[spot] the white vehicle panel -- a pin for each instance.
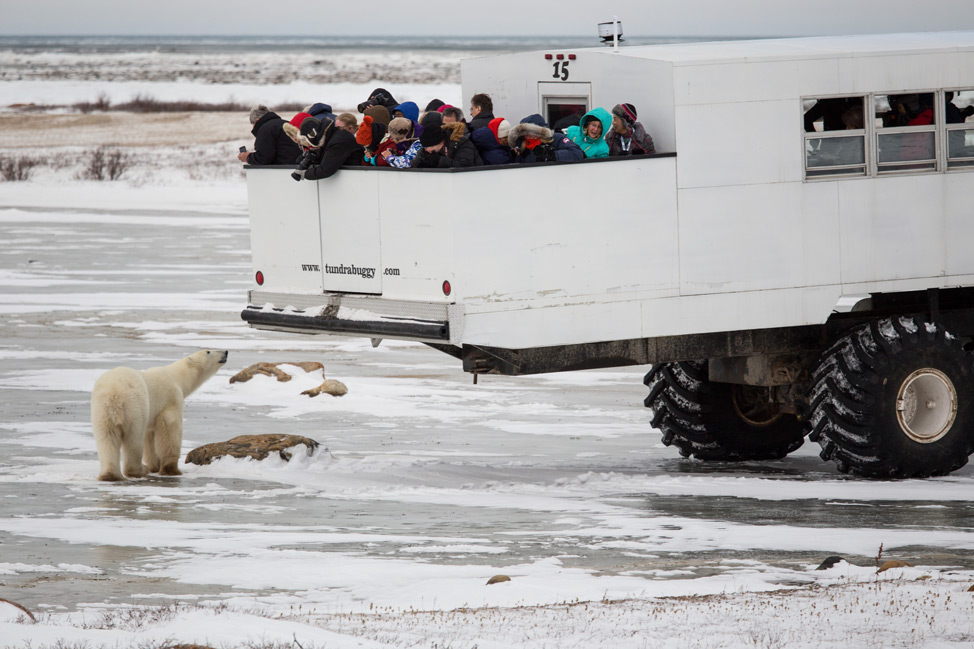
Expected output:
(893, 228)
(731, 83)
(757, 237)
(417, 233)
(285, 230)
(556, 325)
(912, 71)
(723, 144)
(959, 223)
(738, 311)
(597, 229)
(350, 249)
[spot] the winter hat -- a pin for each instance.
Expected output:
(257, 112)
(433, 105)
(432, 135)
(364, 134)
(409, 110)
(293, 128)
(535, 119)
(431, 118)
(297, 119)
(625, 112)
(313, 131)
(320, 110)
(379, 114)
(443, 108)
(399, 129)
(500, 127)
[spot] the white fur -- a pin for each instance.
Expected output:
(137, 417)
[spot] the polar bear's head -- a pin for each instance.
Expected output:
(204, 364)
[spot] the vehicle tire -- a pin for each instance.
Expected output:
(717, 421)
(884, 401)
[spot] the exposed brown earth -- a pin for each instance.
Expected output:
(29, 131)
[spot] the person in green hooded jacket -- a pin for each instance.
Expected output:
(589, 135)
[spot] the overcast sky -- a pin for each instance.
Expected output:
(482, 17)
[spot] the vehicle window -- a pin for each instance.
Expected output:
(959, 118)
(559, 108)
(905, 132)
(835, 136)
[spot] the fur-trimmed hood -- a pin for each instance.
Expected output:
(455, 131)
(294, 133)
(520, 132)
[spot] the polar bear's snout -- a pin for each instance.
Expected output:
(223, 357)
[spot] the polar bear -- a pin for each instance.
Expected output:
(139, 415)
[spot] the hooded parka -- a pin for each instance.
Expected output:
(592, 147)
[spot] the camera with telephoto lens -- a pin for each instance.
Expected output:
(378, 99)
(544, 152)
(311, 157)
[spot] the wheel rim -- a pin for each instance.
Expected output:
(926, 405)
(753, 407)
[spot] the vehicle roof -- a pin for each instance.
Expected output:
(802, 48)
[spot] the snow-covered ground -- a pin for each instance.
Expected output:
(425, 486)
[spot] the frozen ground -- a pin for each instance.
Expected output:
(429, 485)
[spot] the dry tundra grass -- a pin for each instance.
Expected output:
(37, 132)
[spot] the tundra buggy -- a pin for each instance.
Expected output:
(797, 259)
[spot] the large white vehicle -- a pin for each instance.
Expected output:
(797, 259)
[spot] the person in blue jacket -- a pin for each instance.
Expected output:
(589, 135)
(320, 111)
(492, 143)
(410, 111)
(533, 141)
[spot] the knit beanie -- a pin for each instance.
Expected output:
(379, 114)
(443, 108)
(399, 129)
(625, 112)
(431, 118)
(297, 119)
(432, 136)
(364, 134)
(500, 127)
(257, 112)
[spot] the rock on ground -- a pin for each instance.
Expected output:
(255, 446)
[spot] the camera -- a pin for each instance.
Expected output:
(310, 157)
(544, 152)
(378, 99)
(242, 149)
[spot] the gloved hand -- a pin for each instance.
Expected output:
(426, 160)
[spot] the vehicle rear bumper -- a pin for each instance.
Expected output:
(352, 315)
